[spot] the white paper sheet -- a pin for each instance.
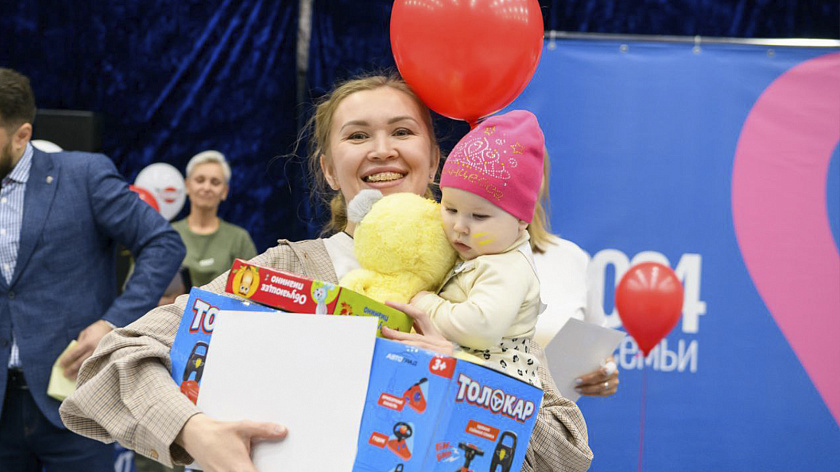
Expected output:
(579, 348)
(307, 372)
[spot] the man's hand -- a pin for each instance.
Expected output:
(225, 445)
(88, 340)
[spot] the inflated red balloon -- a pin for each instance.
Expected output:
(649, 300)
(146, 196)
(467, 59)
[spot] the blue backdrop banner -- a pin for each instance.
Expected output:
(720, 160)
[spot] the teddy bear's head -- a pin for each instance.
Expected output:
(403, 233)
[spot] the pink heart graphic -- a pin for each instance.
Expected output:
(781, 218)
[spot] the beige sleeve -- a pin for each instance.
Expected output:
(125, 391)
(560, 440)
(492, 303)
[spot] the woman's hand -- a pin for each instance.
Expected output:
(427, 335)
(225, 445)
(600, 383)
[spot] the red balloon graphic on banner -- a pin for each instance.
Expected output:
(649, 300)
(146, 196)
(468, 59)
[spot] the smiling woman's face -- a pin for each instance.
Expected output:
(379, 140)
(207, 186)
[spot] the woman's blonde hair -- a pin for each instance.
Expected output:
(540, 227)
(320, 125)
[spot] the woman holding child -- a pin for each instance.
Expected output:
(369, 133)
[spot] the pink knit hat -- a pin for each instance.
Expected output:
(500, 160)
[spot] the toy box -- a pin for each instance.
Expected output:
(192, 341)
(426, 412)
(296, 294)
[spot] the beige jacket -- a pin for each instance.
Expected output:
(125, 391)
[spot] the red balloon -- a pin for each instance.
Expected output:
(467, 59)
(649, 300)
(146, 196)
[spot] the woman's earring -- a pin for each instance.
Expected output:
(333, 185)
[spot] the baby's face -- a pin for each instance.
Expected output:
(474, 226)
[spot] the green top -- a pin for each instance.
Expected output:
(210, 255)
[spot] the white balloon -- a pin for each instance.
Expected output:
(46, 146)
(166, 184)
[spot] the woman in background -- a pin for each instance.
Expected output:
(212, 243)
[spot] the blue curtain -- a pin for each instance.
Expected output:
(174, 78)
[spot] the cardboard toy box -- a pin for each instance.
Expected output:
(297, 294)
(423, 411)
(426, 412)
(192, 341)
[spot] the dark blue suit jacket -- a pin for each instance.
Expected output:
(76, 209)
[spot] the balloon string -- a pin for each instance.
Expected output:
(642, 419)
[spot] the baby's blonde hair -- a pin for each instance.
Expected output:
(540, 227)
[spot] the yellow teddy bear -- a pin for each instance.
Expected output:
(400, 246)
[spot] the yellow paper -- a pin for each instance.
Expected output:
(60, 386)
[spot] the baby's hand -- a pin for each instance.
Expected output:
(418, 296)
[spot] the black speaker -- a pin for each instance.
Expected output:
(73, 130)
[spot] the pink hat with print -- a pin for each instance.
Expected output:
(500, 160)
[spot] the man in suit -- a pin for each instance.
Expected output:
(61, 217)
